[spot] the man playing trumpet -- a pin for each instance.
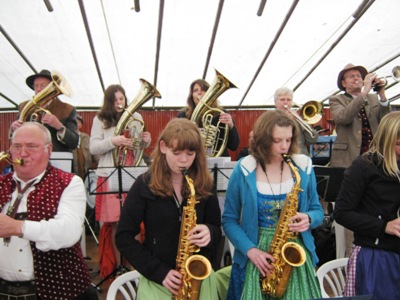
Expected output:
(356, 114)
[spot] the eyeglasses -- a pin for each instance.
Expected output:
(353, 76)
(30, 148)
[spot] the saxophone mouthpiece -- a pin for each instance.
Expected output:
(184, 171)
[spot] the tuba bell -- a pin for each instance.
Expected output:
(31, 110)
(215, 142)
(132, 127)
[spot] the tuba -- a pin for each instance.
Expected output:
(7, 158)
(215, 142)
(30, 112)
(132, 127)
(287, 253)
(194, 268)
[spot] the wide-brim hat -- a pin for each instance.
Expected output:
(43, 73)
(347, 68)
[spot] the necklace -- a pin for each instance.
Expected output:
(178, 206)
(277, 202)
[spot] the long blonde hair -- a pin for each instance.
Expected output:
(384, 142)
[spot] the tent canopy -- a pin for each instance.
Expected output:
(299, 44)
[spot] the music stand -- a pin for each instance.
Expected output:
(329, 181)
(120, 182)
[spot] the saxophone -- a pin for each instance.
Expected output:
(194, 268)
(287, 253)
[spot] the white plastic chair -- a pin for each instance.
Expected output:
(334, 273)
(126, 284)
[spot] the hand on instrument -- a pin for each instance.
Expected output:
(173, 281)
(52, 121)
(15, 125)
(368, 83)
(146, 137)
(262, 260)
(225, 118)
(299, 223)
(200, 235)
(120, 140)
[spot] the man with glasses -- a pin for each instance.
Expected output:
(356, 114)
(42, 212)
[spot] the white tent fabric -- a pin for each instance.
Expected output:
(94, 43)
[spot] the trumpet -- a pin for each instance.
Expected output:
(6, 157)
(382, 81)
(309, 113)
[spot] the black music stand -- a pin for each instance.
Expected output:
(329, 181)
(121, 189)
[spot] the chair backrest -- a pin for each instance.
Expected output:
(126, 284)
(334, 274)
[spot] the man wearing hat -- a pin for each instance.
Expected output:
(356, 114)
(62, 120)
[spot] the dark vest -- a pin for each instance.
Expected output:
(59, 274)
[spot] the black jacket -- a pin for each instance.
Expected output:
(157, 255)
(367, 201)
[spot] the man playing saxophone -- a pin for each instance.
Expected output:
(257, 212)
(160, 198)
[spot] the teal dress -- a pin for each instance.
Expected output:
(303, 283)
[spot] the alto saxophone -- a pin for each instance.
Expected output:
(194, 268)
(287, 253)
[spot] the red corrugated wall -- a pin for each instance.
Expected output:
(155, 122)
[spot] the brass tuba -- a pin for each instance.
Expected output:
(128, 125)
(287, 253)
(194, 268)
(214, 142)
(39, 101)
(7, 158)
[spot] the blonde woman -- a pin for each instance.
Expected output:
(369, 205)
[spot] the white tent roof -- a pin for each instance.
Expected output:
(94, 43)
